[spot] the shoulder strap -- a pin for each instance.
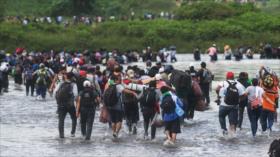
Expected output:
(229, 83)
(268, 99)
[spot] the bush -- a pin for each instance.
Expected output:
(212, 10)
(248, 28)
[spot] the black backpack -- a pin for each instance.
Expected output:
(148, 99)
(207, 76)
(64, 94)
(110, 96)
(274, 149)
(128, 98)
(232, 95)
(88, 98)
(181, 80)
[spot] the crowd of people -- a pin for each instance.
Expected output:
(266, 51)
(86, 20)
(163, 95)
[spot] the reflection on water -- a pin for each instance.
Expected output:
(29, 127)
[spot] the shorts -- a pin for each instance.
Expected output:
(173, 126)
(116, 116)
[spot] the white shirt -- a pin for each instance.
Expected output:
(225, 85)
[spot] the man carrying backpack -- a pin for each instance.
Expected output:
(29, 79)
(41, 81)
(113, 102)
(230, 92)
(149, 103)
(65, 97)
(205, 78)
(86, 104)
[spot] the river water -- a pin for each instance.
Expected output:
(29, 127)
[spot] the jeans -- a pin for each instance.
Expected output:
(29, 85)
(41, 90)
(241, 109)
(232, 114)
(148, 117)
(254, 115)
(131, 113)
(205, 91)
(191, 108)
(62, 111)
(267, 119)
(87, 119)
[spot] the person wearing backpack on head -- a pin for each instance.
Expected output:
(205, 79)
(254, 109)
(113, 102)
(149, 103)
(230, 92)
(65, 98)
(87, 101)
(269, 104)
(29, 81)
(270, 81)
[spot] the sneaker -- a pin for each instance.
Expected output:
(225, 132)
(165, 143)
(115, 135)
(168, 143)
(134, 132)
(72, 135)
(146, 136)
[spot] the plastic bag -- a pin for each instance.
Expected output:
(157, 121)
(104, 115)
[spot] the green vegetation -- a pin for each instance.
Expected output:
(197, 25)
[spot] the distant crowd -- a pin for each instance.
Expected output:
(87, 20)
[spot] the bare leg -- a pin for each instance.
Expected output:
(167, 133)
(118, 127)
(173, 137)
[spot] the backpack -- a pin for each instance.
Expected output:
(181, 80)
(128, 98)
(148, 99)
(110, 96)
(207, 76)
(232, 95)
(42, 77)
(64, 93)
(28, 74)
(274, 149)
(88, 98)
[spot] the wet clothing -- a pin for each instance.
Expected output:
(87, 110)
(267, 119)
(243, 103)
(29, 81)
(116, 111)
(170, 117)
(205, 86)
(231, 112)
(62, 111)
(87, 119)
(67, 107)
(254, 115)
(228, 110)
(173, 126)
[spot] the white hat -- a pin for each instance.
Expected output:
(86, 83)
(161, 70)
(158, 77)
